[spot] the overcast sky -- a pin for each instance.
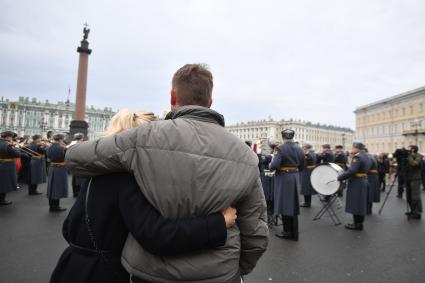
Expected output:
(311, 60)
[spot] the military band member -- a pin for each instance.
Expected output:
(8, 173)
(356, 201)
(37, 165)
(310, 161)
(78, 182)
(374, 194)
(57, 185)
(327, 156)
(341, 160)
(288, 161)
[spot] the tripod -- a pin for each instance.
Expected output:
(388, 193)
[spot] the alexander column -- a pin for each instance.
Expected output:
(78, 124)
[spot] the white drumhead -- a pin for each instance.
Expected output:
(324, 178)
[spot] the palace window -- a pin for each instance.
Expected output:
(411, 109)
(420, 107)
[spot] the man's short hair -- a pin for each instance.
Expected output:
(36, 137)
(193, 84)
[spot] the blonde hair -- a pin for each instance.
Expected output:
(126, 119)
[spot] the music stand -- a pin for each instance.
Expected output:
(327, 207)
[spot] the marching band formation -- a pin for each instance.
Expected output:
(285, 173)
(287, 170)
(34, 161)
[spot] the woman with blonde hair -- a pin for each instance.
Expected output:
(127, 119)
(111, 207)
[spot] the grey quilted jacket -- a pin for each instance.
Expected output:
(188, 165)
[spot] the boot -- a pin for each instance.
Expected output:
(288, 232)
(358, 223)
(54, 206)
(415, 216)
(354, 226)
(3, 200)
(307, 201)
(285, 228)
(32, 190)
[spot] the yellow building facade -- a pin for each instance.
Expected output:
(391, 123)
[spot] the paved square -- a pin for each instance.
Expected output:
(390, 249)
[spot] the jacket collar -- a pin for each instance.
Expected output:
(198, 113)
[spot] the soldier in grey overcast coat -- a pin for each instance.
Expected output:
(288, 161)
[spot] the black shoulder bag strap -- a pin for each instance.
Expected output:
(92, 236)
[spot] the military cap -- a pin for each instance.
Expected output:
(78, 136)
(58, 137)
(359, 145)
(288, 134)
(326, 145)
(6, 134)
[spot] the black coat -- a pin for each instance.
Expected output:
(116, 207)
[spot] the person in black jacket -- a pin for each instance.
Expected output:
(115, 207)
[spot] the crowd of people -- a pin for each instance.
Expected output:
(182, 199)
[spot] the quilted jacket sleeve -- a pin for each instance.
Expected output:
(252, 222)
(106, 155)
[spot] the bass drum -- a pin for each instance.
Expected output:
(324, 178)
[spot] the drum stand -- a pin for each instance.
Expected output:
(328, 208)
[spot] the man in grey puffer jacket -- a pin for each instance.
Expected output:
(187, 165)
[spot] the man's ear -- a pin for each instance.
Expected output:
(210, 102)
(173, 95)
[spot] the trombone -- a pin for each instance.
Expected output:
(28, 151)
